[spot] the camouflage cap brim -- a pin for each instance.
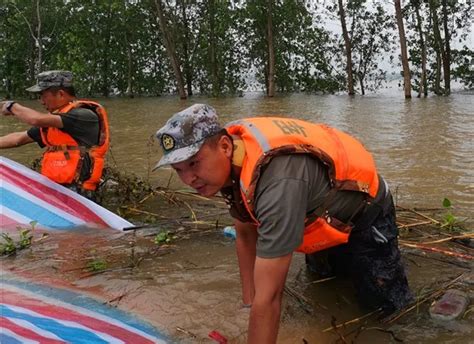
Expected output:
(35, 89)
(179, 155)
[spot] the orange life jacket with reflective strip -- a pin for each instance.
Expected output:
(62, 160)
(351, 167)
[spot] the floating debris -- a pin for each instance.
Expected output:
(450, 306)
(229, 232)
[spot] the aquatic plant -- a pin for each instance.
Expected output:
(9, 246)
(25, 239)
(97, 264)
(164, 237)
(451, 222)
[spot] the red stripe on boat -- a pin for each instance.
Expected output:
(7, 221)
(27, 333)
(60, 313)
(74, 207)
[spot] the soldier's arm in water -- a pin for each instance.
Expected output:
(15, 140)
(246, 249)
(32, 117)
(269, 276)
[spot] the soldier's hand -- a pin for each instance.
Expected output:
(6, 107)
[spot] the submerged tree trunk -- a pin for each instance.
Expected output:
(348, 48)
(423, 80)
(437, 82)
(447, 55)
(212, 49)
(129, 90)
(171, 50)
(186, 64)
(440, 53)
(39, 39)
(271, 51)
(403, 48)
(361, 83)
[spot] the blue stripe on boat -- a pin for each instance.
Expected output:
(32, 210)
(66, 333)
(6, 339)
(83, 301)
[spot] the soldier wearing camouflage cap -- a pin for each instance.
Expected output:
(292, 186)
(184, 133)
(68, 131)
(52, 78)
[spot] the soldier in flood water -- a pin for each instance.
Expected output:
(292, 186)
(74, 133)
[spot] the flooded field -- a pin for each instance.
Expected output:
(423, 147)
(186, 282)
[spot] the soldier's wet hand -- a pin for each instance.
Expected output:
(6, 107)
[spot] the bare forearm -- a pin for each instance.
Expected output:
(269, 276)
(246, 248)
(14, 140)
(27, 115)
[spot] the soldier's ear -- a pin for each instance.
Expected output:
(225, 143)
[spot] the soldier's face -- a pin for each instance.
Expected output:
(52, 100)
(209, 169)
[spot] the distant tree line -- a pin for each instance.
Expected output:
(224, 47)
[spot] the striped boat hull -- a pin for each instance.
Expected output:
(32, 313)
(28, 196)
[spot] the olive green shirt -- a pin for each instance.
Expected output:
(290, 188)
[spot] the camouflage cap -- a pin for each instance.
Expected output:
(51, 78)
(184, 133)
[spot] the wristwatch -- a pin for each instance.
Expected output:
(9, 105)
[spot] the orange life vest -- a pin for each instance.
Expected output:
(351, 167)
(62, 160)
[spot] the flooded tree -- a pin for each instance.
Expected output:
(423, 85)
(348, 48)
(441, 56)
(371, 41)
(152, 47)
(170, 48)
(29, 31)
(403, 50)
(447, 49)
(271, 51)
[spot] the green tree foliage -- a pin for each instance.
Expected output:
(28, 37)
(458, 25)
(212, 48)
(464, 66)
(116, 47)
(302, 46)
(371, 33)
(372, 39)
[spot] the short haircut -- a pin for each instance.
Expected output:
(214, 139)
(69, 90)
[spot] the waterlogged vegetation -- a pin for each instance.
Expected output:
(165, 237)
(154, 47)
(97, 264)
(451, 222)
(135, 256)
(11, 245)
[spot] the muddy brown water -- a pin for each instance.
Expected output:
(423, 147)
